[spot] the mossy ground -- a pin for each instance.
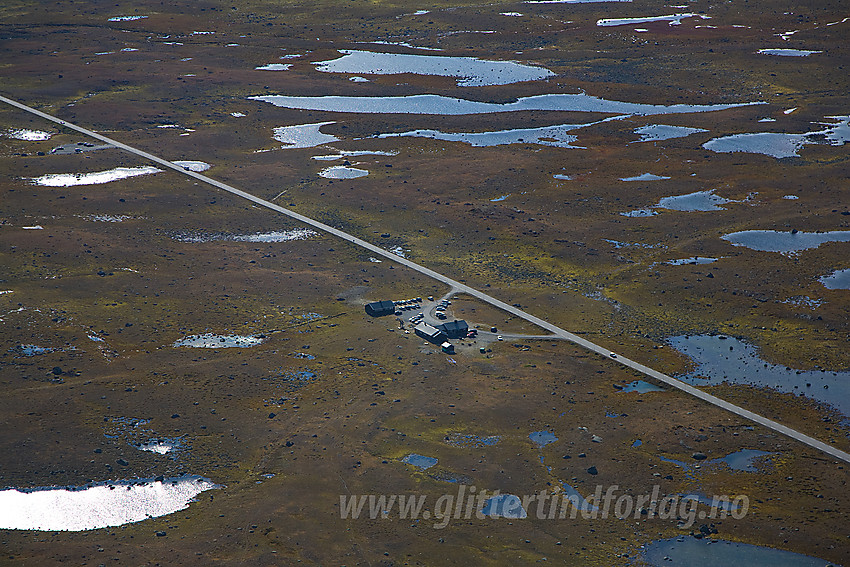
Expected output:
(380, 394)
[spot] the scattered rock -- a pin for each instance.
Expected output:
(592, 471)
(699, 456)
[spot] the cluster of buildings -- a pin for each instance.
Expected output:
(439, 334)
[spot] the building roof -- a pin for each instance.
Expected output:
(454, 328)
(379, 308)
(426, 329)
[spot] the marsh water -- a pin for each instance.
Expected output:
(98, 505)
(689, 551)
(720, 358)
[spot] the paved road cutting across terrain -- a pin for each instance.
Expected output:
(459, 287)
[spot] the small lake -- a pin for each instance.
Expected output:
(303, 135)
(211, 340)
(658, 132)
(469, 71)
(274, 67)
(784, 242)
(674, 19)
(696, 260)
(641, 387)
(94, 178)
(781, 145)
(644, 177)
(744, 460)
(542, 438)
(727, 359)
(839, 279)
(442, 105)
(126, 18)
(554, 136)
(699, 201)
(273, 236)
(99, 505)
(768, 143)
(504, 506)
(689, 551)
(420, 461)
(160, 446)
(342, 172)
(639, 213)
(196, 166)
(26, 135)
(788, 52)
(356, 153)
(577, 499)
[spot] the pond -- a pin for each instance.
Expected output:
(674, 19)
(542, 438)
(273, 236)
(27, 135)
(781, 145)
(504, 506)
(726, 359)
(342, 172)
(94, 178)
(469, 71)
(554, 136)
(839, 279)
(787, 52)
(689, 551)
(101, 505)
(442, 105)
(641, 387)
(699, 201)
(658, 132)
(644, 177)
(211, 340)
(303, 135)
(420, 461)
(784, 242)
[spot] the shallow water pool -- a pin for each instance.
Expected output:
(211, 340)
(784, 242)
(726, 359)
(689, 551)
(469, 71)
(442, 105)
(96, 506)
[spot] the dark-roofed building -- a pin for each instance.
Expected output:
(455, 329)
(430, 333)
(380, 308)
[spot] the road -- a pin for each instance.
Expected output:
(458, 287)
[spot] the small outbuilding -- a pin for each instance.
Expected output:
(380, 308)
(455, 329)
(429, 333)
(447, 347)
